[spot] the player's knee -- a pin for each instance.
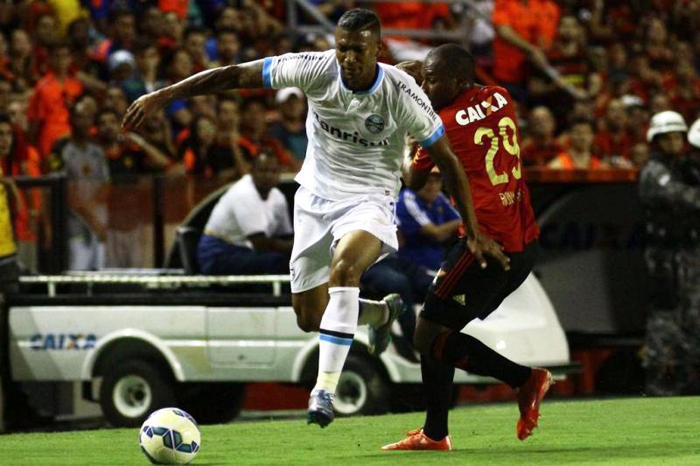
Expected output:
(308, 319)
(345, 273)
(308, 322)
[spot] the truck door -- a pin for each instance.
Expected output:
(241, 336)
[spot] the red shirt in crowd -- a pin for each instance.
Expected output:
(48, 106)
(534, 20)
(480, 125)
(609, 144)
(536, 153)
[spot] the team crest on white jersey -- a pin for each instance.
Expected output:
(481, 110)
(374, 123)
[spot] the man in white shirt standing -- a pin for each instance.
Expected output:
(360, 112)
(236, 242)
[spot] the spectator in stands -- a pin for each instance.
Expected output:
(227, 46)
(85, 165)
(122, 65)
(9, 270)
(115, 98)
(291, 129)
(659, 103)
(194, 43)
(23, 159)
(576, 78)
(145, 79)
(228, 137)
(122, 35)
(44, 38)
(156, 131)
(524, 30)
(84, 67)
(614, 141)
(409, 15)
(235, 242)
(541, 145)
(255, 137)
(481, 32)
(48, 109)
(685, 89)
(202, 155)
(427, 222)
(173, 29)
(21, 60)
(656, 46)
(579, 156)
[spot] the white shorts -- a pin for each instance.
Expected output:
(320, 223)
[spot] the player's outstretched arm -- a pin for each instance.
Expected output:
(245, 75)
(458, 186)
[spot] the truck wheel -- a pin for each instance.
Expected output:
(362, 389)
(212, 403)
(133, 390)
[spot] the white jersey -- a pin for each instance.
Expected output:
(356, 139)
(231, 220)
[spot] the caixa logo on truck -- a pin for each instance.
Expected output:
(62, 341)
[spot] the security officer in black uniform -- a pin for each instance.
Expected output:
(669, 188)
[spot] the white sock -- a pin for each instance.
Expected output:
(335, 336)
(374, 313)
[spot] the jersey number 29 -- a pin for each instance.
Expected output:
(511, 147)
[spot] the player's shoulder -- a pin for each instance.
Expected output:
(399, 80)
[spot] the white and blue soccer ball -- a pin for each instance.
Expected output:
(170, 436)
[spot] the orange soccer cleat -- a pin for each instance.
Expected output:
(529, 398)
(417, 440)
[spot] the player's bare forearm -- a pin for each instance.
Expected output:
(456, 182)
(246, 75)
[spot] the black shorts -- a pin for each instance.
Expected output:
(463, 291)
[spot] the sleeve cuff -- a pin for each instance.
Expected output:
(266, 75)
(437, 134)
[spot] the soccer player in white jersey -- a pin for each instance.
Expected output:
(360, 112)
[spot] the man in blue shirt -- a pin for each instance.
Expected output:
(427, 223)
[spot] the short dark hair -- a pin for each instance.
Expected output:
(456, 60)
(359, 19)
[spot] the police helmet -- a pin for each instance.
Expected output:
(666, 122)
(694, 134)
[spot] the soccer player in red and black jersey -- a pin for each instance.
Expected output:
(480, 125)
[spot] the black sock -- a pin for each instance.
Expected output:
(437, 386)
(468, 353)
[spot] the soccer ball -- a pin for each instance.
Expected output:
(170, 436)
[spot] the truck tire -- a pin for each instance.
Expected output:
(362, 388)
(133, 390)
(212, 403)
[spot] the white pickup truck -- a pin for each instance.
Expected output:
(139, 341)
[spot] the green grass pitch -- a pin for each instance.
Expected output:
(640, 431)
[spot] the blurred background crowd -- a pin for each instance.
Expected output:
(587, 76)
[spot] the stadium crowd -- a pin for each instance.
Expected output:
(587, 74)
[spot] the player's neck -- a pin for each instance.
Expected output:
(366, 84)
